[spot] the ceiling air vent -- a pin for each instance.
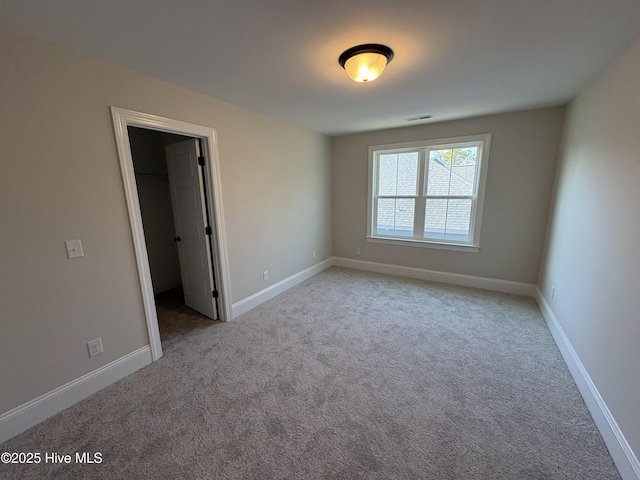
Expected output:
(419, 117)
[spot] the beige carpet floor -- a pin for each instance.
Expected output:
(348, 375)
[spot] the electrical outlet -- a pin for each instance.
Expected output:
(357, 251)
(553, 292)
(265, 276)
(314, 254)
(95, 347)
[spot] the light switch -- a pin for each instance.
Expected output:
(74, 248)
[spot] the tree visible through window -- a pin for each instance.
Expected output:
(428, 192)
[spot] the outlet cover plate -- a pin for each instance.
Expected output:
(95, 347)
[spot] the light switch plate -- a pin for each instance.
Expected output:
(74, 248)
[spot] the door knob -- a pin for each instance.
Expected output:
(176, 239)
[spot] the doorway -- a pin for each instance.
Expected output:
(173, 208)
(210, 175)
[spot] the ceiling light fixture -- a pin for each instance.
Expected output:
(365, 63)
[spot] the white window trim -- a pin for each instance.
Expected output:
(476, 214)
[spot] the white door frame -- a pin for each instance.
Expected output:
(127, 118)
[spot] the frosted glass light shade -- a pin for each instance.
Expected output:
(365, 67)
(365, 63)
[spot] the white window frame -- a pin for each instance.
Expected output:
(422, 147)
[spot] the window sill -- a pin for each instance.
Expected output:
(425, 244)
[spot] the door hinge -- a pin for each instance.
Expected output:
(208, 231)
(200, 160)
(215, 293)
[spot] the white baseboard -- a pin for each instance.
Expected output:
(25, 416)
(504, 286)
(282, 286)
(484, 283)
(620, 450)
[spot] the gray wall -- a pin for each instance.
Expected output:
(60, 180)
(592, 257)
(524, 147)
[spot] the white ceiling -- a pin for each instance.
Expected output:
(453, 58)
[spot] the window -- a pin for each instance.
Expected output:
(428, 193)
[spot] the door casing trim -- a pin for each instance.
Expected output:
(123, 118)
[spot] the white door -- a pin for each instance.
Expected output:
(190, 217)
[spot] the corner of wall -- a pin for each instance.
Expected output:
(623, 456)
